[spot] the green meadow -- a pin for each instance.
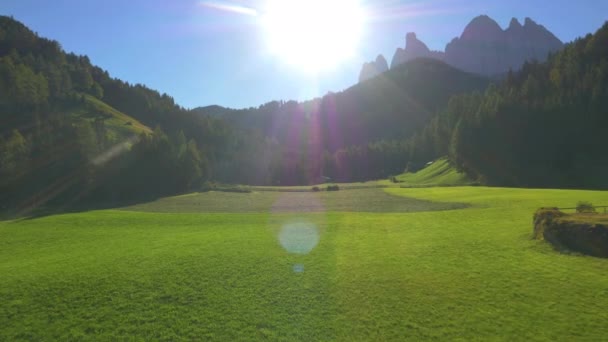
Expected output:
(455, 263)
(439, 172)
(119, 124)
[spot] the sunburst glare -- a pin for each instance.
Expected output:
(314, 35)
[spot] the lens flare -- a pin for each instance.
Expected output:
(227, 7)
(315, 34)
(299, 237)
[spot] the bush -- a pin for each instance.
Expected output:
(333, 188)
(393, 179)
(316, 189)
(585, 207)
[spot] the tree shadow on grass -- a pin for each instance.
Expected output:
(354, 200)
(49, 209)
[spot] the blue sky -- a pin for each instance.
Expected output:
(203, 56)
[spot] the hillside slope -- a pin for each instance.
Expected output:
(119, 126)
(544, 126)
(440, 172)
(393, 105)
(67, 129)
(354, 135)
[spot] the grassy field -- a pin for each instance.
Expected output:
(119, 125)
(453, 263)
(357, 200)
(437, 174)
(595, 218)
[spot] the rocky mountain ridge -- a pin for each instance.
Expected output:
(373, 69)
(483, 48)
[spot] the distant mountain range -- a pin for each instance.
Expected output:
(483, 48)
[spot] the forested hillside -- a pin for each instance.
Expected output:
(71, 133)
(354, 135)
(391, 106)
(544, 126)
(68, 130)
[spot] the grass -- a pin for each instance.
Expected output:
(357, 200)
(440, 173)
(205, 270)
(593, 218)
(373, 184)
(120, 126)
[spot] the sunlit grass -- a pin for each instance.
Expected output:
(439, 172)
(357, 200)
(120, 126)
(596, 218)
(473, 273)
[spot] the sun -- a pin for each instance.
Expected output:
(314, 35)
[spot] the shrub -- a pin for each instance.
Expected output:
(316, 189)
(584, 207)
(333, 188)
(393, 179)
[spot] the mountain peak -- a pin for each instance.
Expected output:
(373, 69)
(381, 63)
(414, 48)
(514, 24)
(483, 19)
(529, 22)
(481, 28)
(485, 48)
(414, 45)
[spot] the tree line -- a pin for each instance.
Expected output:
(540, 127)
(56, 148)
(543, 126)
